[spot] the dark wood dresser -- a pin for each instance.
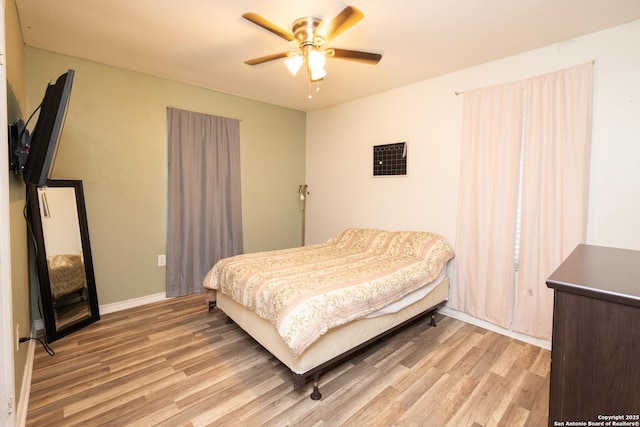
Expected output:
(595, 355)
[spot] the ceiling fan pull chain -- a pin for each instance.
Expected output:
(310, 95)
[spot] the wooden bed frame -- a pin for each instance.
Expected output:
(336, 344)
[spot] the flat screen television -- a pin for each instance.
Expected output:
(44, 140)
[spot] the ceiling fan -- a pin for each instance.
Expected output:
(310, 36)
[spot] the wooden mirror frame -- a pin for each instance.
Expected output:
(34, 220)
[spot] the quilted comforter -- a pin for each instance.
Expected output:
(66, 275)
(306, 291)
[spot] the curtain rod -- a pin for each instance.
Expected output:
(460, 92)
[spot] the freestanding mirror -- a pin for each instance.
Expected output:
(58, 222)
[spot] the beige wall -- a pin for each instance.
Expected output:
(114, 140)
(16, 98)
(429, 116)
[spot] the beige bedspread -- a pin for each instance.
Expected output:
(306, 291)
(66, 274)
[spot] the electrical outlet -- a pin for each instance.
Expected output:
(18, 337)
(162, 260)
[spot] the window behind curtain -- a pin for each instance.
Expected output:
(204, 215)
(523, 192)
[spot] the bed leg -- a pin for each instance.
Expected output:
(316, 395)
(299, 382)
(433, 319)
(212, 305)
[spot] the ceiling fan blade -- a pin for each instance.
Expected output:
(267, 25)
(343, 21)
(267, 58)
(354, 55)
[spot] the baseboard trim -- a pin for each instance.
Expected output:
(130, 303)
(38, 325)
(25, 390)
(448, 311)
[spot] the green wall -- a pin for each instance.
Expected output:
(16, 98)
(115, 141)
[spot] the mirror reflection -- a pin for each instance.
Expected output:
(65, 262)
(65, 272)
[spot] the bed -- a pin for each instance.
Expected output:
(314, 305)
(66, 276)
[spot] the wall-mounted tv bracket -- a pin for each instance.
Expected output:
(19, 144)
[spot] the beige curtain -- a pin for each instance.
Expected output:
(526, 141)
(204, 216)
(557, 141)
(484, 273)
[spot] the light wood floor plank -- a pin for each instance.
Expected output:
(173, 363)
(384, 409)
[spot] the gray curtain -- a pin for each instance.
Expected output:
(204, 218)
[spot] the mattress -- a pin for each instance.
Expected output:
(306, 292)
(334, 342)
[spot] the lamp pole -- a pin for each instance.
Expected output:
(302, 192)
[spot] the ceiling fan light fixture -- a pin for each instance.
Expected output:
(316, 59)
(315, 64)
(317, 73)
(309, 35)
(294, 63)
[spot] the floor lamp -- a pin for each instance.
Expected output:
(302, 193)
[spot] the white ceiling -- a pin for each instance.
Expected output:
(204, 42)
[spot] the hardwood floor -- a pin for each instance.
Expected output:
(174, 364)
